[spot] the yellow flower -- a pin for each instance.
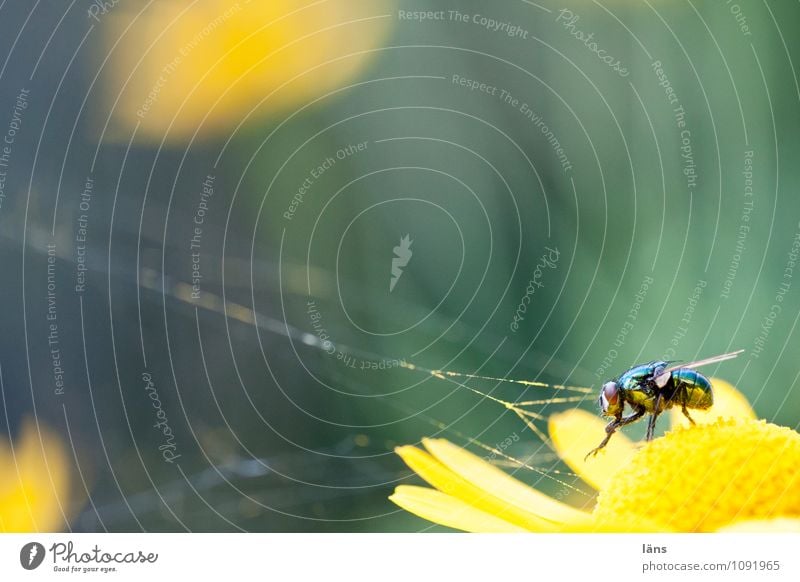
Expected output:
(730, 472)
(34, 481)
(184, 66)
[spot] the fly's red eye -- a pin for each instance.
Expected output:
(611, 392)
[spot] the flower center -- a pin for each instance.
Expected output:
(706, 476)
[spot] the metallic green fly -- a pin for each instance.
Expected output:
(653, 388)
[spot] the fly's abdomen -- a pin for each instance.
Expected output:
(693, 388)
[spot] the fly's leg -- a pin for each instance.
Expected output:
(636, 415)
(685, 396)
(612, 427)
(686, 414)
(651, 425)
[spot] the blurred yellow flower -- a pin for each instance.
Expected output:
(204, 65)
(34, 481)
(727, 473)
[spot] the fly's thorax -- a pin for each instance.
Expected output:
(637, 376)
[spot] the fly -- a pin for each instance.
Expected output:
(653, 388)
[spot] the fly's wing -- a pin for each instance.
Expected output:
(707, 361)
(662, 379)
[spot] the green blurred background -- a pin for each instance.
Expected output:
(664, 200)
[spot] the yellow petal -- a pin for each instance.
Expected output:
(576, 432)
(34, 482)
(443, 509)
(777, 525)
(490, 478)
(728, 403)
(456, 486)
